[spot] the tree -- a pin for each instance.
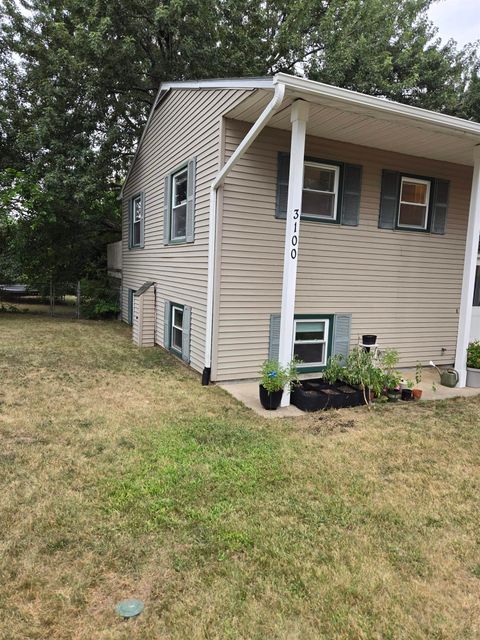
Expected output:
(77, 80)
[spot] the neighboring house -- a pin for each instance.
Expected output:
(280, 216)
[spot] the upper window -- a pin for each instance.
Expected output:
(176, 337)
(311, 341)
(320, 191)
(178, 212)
(136, 221)
(414, 203)
(179, 204)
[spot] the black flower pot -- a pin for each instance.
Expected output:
(393, 395)
(369, 339)
(270, 401)
(407, 394)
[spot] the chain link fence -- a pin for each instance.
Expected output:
(86, 299)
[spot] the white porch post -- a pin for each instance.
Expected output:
(298, 119)
(469, 269)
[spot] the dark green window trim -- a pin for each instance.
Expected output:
(430, 203)
(141, 241)
(190, 167)
(318, 316)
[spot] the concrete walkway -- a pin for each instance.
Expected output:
(247, 392)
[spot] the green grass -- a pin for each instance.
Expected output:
(122, 477)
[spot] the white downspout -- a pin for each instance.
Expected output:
(262, 121)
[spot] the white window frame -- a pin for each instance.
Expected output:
(326, 321)
(174, 175)
(329, 167)
(416, 204)
(174, 326)
(133, 222)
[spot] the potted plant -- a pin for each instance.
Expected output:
(407, 393)
(473, 364)
(274, 380)
(417, 393)
(391, 377)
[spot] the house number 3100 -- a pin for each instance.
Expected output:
(294, 240)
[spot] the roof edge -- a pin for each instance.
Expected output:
(459, 125)
(261, 82)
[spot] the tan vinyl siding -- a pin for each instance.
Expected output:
(403, 286)
(186, 124)
(143, 330)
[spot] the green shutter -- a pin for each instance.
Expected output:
(389, 199)
(341, 334)
(166, 324)
(186, 331)
(351, 191)
(439, 206)
(274, 338)
(283, 169)
(130, 223)
(166, 208)
(142, 223)
(130, 306)
(190, 223)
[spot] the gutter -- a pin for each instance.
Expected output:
(245, 144)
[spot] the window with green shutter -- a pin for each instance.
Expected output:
(331, 190)
(413, 203)
(179, 204)
(316, 336)
(177, 323)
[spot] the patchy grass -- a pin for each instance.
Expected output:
(121, 476)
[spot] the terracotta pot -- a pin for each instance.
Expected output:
(417, 394)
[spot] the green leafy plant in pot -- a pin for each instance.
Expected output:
(417, 393)
(473, 364)
(274, 380)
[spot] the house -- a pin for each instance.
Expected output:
(280, 216)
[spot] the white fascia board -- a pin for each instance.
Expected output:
(456, 126)
(221, 83)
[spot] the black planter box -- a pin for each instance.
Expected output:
(316, 395)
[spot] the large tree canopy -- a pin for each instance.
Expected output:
(77, 80)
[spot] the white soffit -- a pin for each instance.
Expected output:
(347, 116)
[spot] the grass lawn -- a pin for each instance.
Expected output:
(122, 477)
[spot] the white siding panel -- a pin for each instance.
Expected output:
(186, 124)
(403, 286)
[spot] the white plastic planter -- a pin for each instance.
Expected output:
(473, 377)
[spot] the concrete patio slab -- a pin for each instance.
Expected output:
(247, 392)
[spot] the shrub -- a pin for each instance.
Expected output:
(473, 355)
(99, 300)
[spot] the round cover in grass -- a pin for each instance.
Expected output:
(129, 608)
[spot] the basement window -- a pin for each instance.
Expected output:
(176, 337)
(311, 341)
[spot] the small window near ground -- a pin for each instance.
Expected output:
(179, 205)
(414, 202)
(176, 339)
(311, 341)
(320, 191)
